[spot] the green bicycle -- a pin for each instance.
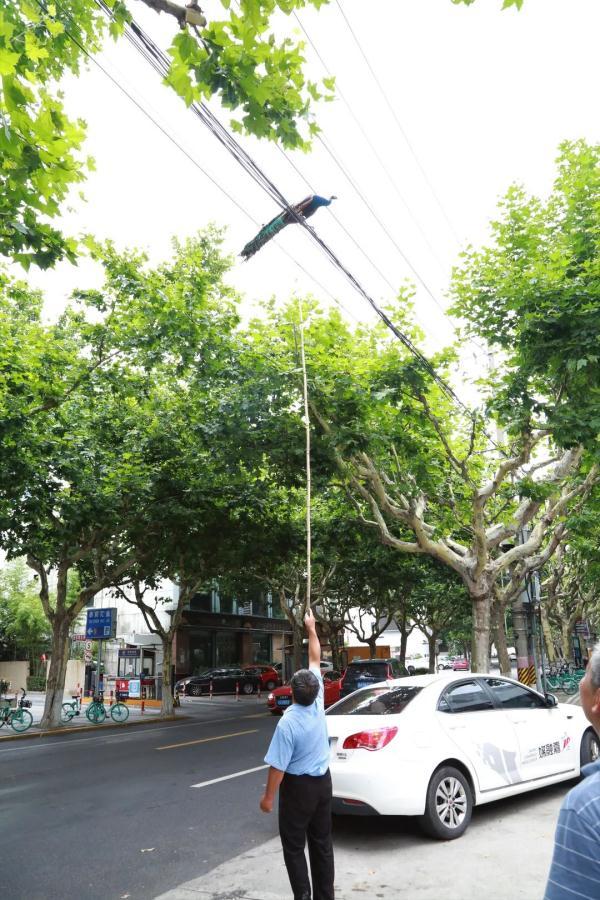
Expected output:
(96, 711)
(18, 717)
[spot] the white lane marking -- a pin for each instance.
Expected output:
(227, 777)
(111, 739)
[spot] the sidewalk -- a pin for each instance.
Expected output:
(505, 853)
(78, 723)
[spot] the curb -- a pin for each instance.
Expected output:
(77, 729)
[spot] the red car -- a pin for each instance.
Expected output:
(269, 677)
(460, 665)
(279, 699)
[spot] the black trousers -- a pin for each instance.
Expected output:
(305, 814)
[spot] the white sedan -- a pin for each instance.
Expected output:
(436, 745)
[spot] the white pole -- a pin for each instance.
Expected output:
(308, 478)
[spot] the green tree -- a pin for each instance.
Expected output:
(238, 59)
(533, 295)
(423, 474)
(24, 630)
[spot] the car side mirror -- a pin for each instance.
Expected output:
(551, 700)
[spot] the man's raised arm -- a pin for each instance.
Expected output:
(314, 647)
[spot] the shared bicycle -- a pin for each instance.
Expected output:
(15, 713)
(96, 711)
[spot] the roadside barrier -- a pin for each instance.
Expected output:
(237, 690)
(210, 689)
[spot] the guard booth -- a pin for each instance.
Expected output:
(136, 673)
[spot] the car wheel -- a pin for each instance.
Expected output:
(247, 688)
(196, 690)
(590, 748)
(275, 712)
(448, 806)
(270, 685)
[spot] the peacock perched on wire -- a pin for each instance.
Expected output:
(306, 208)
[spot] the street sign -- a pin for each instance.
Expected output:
(78, 637)
(87, 657)
(134, 687)
(88, 646)
(101, 624)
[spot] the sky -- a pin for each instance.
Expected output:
(475, 98)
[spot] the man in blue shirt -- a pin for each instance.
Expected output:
(298, 759)
(575, 870)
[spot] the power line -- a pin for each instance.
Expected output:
(372, 146)
(398, 123)
(195, 162)
(161, 64)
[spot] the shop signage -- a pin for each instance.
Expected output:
(129, 653)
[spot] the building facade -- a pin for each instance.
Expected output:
(218, 629)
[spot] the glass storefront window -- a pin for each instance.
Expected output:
(202, 601)
(201, 652)
(261, 648)
(229, 648)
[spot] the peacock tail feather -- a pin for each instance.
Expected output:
(265, 234)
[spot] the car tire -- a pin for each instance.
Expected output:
(448, 806)
(275, 712)
(247, 688)
(270, 685)
(590, 748)
(196, 690)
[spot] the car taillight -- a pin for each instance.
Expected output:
(375, 739)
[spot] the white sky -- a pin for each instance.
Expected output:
(484, 96)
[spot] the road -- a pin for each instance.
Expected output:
(114, 814)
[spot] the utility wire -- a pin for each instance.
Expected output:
(161, 64)
(372, 146)
(195, 162)
(399, 124)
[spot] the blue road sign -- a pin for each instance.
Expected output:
(101, 624)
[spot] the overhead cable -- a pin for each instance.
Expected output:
(161, 63)
(399, 124)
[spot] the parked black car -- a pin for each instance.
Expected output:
(363, 672)
(223, 680)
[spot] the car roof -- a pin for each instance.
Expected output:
(365, 662)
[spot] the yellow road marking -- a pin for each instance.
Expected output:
(256, 716)
(220, 737)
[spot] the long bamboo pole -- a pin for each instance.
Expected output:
(308, 466)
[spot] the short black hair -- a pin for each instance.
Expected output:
(305, 687)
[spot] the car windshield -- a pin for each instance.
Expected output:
(382, 701)
(369, 672)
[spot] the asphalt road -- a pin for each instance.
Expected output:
(114, 815)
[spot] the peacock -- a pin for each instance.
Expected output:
(306, 208)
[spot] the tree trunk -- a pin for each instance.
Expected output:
(499, 632)
(297, 636)
(166, 703)
(372, 642)
(403, 646)
(431, 642)
(547, 635)
(480, 645)
(565, 638)
(57, 673)
(336, 642)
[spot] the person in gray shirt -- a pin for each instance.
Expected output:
(575, 870)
